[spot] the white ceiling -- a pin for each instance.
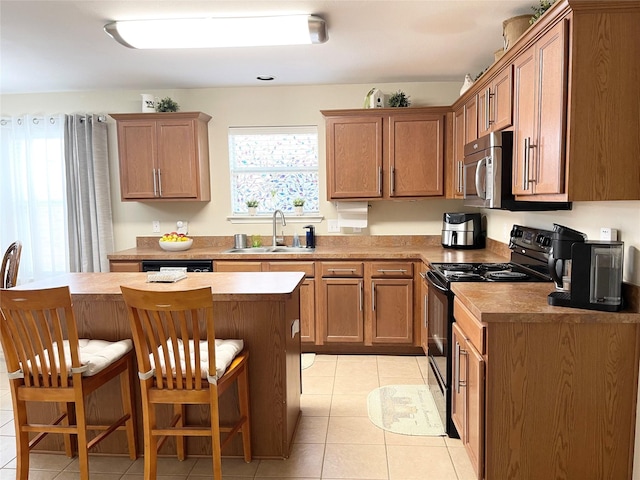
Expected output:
(54, 46)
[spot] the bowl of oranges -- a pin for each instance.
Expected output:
(175, 242)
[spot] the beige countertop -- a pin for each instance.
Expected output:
(527, 302)
(241, 286)
(427, 249)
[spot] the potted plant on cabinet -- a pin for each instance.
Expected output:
(252, 205)
(298, 203)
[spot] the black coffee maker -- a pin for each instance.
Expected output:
(587, 273)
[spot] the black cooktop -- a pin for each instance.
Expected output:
(487, 272)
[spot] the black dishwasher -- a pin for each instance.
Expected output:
(190, 265)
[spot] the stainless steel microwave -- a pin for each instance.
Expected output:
(486, 176)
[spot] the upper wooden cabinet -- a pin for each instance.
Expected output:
(495, 103)
(575, 115)
(164, 156)
(385, 153)
(539, 126)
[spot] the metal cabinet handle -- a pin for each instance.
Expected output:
(392, 181)
(397, 270)
(459, 383)
(336, 270)
(379, 180)
(487, 102)
(460, 171)
(361, 294)
(425, 313)
(155, 183)
(373, 296)
(526, 178)
(159, 182)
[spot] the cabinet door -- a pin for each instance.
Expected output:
(501, 102)
(137, 147)
(524, 101)
(475, 382)
(549, 167)
(341, 310)
(177, 166)
(484, 97)
(392, 308)
(459, 138)
(354, 157)
(308, 311)
(471, 119)
(416, 158)
(424, 322)
(458, 392)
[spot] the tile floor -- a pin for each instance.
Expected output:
(335, 439)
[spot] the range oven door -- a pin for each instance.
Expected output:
(440, 321)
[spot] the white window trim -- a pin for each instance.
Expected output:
(264, 219)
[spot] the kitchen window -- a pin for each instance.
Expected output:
(273, 165)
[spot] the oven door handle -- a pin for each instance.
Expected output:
(433, 281)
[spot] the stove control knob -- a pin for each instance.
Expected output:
(516, 232)
(546, 241)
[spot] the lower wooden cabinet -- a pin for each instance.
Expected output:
(546, 398)
(467, 401)
(341, 302)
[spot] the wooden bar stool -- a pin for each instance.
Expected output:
(48, 363)
(181, 362)
(10, 264)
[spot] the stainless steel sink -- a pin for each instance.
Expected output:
(278, 249)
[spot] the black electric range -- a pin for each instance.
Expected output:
(530, 251)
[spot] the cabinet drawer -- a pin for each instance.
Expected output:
(342, 269)
(391, 269)
(308, 268)
(474, 330)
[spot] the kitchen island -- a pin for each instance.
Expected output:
(263, 309)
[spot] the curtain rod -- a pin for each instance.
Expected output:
(52, 119)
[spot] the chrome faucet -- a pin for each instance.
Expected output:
(284, 222)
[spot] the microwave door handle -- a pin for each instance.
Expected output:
(481, 192)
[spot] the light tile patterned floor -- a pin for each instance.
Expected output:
(335, 439)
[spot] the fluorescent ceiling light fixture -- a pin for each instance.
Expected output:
(219, 32)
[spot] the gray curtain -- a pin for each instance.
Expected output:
(88, 193)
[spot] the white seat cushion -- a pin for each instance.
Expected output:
(95, 355)
(226, 351)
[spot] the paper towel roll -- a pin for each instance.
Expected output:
(352, 214)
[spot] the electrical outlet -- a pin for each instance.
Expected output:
(357, 230)
(155, 226)
(333, 226)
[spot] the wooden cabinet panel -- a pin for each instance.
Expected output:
(137, 148)
(392, 311)
(115, 266)
(308, 311)
(238, 266)
(354, 157)
(308, 268)
(164, 156)
(539, 115)
(391, 269)
(416, 155)
(385, 153)
(342, 269)
(342, 310)
(457, 158)
(177, 170)
(495, 103)
(467, 397)
(471, 120)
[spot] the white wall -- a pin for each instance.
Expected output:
(302, 105)
(293, 106)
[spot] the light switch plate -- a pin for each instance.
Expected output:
(155, 226)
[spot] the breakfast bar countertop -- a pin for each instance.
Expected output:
(225, 286)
